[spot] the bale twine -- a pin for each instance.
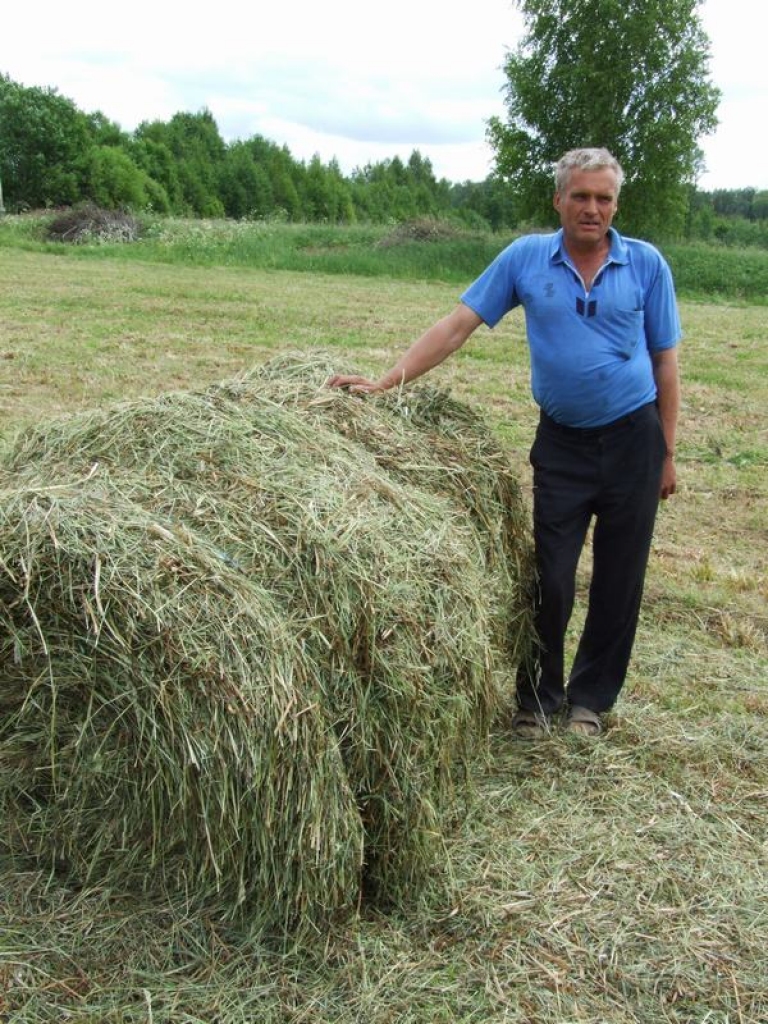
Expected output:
(249, 635)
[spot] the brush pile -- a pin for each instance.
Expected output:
(91, 223)
(249, 637)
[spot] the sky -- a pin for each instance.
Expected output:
(343, 80)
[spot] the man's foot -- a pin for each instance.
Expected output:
(583, 722)
(531, 725)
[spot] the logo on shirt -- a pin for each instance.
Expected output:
(586, 308)
(549, 290)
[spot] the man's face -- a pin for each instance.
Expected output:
(587, 206)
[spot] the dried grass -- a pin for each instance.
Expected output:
(420, 229)
(248, 638)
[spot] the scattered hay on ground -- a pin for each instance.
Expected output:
(421, 229)
(249, 636)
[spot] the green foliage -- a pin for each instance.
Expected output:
(630, 75)
(244, 187)
(733, 217)
(198, 150)
(392, 190)
(719, 271)
(52, 155)
(327, 196)
(105, 132)
(490, 203)
(43, 137)
(113, 180)
(732, 231)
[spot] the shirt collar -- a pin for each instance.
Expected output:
(616, 254)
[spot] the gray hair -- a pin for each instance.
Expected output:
(586, 160)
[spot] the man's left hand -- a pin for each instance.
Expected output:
(668, 478)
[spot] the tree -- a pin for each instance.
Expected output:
(113, 181)
(105, 132)
(326, 195)
(485, 204)
(759, 205)
(630, 75)
(197, 152)
(44, 141)
(244, 185)
(155, 158)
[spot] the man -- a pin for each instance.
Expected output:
(602, 327)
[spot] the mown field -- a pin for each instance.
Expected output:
(584, 883)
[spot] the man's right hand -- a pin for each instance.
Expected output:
(354, 383)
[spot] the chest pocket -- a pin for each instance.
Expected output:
(622, 329)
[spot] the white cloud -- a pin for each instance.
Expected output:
(319, 78)
(736, 155)
(360, 85)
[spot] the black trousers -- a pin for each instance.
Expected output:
(611, 473)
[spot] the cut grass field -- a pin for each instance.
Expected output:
(586, 883)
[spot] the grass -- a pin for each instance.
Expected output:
(711, 272)
(364, 250)
(623, 881)
(425, 250)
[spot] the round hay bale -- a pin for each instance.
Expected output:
(161, 726)
(248, 635)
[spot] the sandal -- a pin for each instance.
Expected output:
(583, 721)
(531, 725)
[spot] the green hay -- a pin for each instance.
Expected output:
(248, 637)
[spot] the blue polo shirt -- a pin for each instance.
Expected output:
(590, 351)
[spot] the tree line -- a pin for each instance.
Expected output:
(54, 155)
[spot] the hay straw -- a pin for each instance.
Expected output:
(248, 637)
